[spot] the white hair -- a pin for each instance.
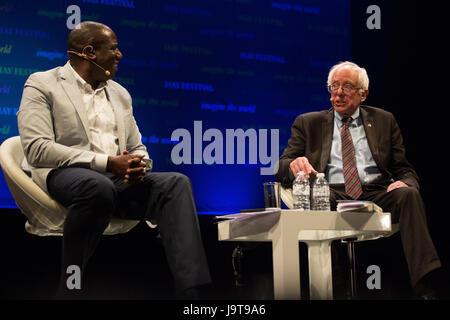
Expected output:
(363, 78)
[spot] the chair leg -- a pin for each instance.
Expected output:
(236, 261)
(352, 265)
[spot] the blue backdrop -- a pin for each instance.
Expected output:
(229, 64)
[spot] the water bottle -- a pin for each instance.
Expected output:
(300, 190)
(321, 193)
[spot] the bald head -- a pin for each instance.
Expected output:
(88, 33)
(93, 52)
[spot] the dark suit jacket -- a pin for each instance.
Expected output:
(312, 134)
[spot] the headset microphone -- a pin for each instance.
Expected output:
(82, 55)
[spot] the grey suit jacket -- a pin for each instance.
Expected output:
(53, 125)
(312, 135)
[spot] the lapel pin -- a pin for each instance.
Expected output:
(369, 125)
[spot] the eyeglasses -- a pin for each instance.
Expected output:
(346, 88)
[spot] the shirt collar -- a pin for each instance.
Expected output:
(83, 84)
(338, 117)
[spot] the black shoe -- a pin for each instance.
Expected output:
(428, 296)
(425, 289)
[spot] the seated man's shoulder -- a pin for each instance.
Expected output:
(375, 111)
(43, 78)
(314, 115)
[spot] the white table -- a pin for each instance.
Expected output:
(317, 229)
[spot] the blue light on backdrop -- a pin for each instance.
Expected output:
(230, 64)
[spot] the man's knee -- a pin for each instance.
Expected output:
(180, 180)
(93, 205)
(406, 193)
(100, 194)
(407, 200)
(183, 178)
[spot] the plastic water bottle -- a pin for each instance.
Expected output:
(321, 193)
(301, 192)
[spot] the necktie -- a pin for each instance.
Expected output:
(351, 178)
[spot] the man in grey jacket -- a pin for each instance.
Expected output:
(83, 147)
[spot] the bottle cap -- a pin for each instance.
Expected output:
(321, 175)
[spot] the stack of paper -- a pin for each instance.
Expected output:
(357, 206)
(245, 224)
(247, 215)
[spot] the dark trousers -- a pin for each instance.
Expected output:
(163, 197)
(407, 209)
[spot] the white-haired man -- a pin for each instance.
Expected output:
(360, 149)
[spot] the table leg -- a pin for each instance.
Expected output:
(286, 265)
(320, 270)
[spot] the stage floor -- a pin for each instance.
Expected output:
(132, 266)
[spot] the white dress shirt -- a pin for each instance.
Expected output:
(102, 122)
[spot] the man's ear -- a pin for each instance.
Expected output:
(364, 95)
(89, 52)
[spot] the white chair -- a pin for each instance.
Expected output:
(318, 250)
(45, 215)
